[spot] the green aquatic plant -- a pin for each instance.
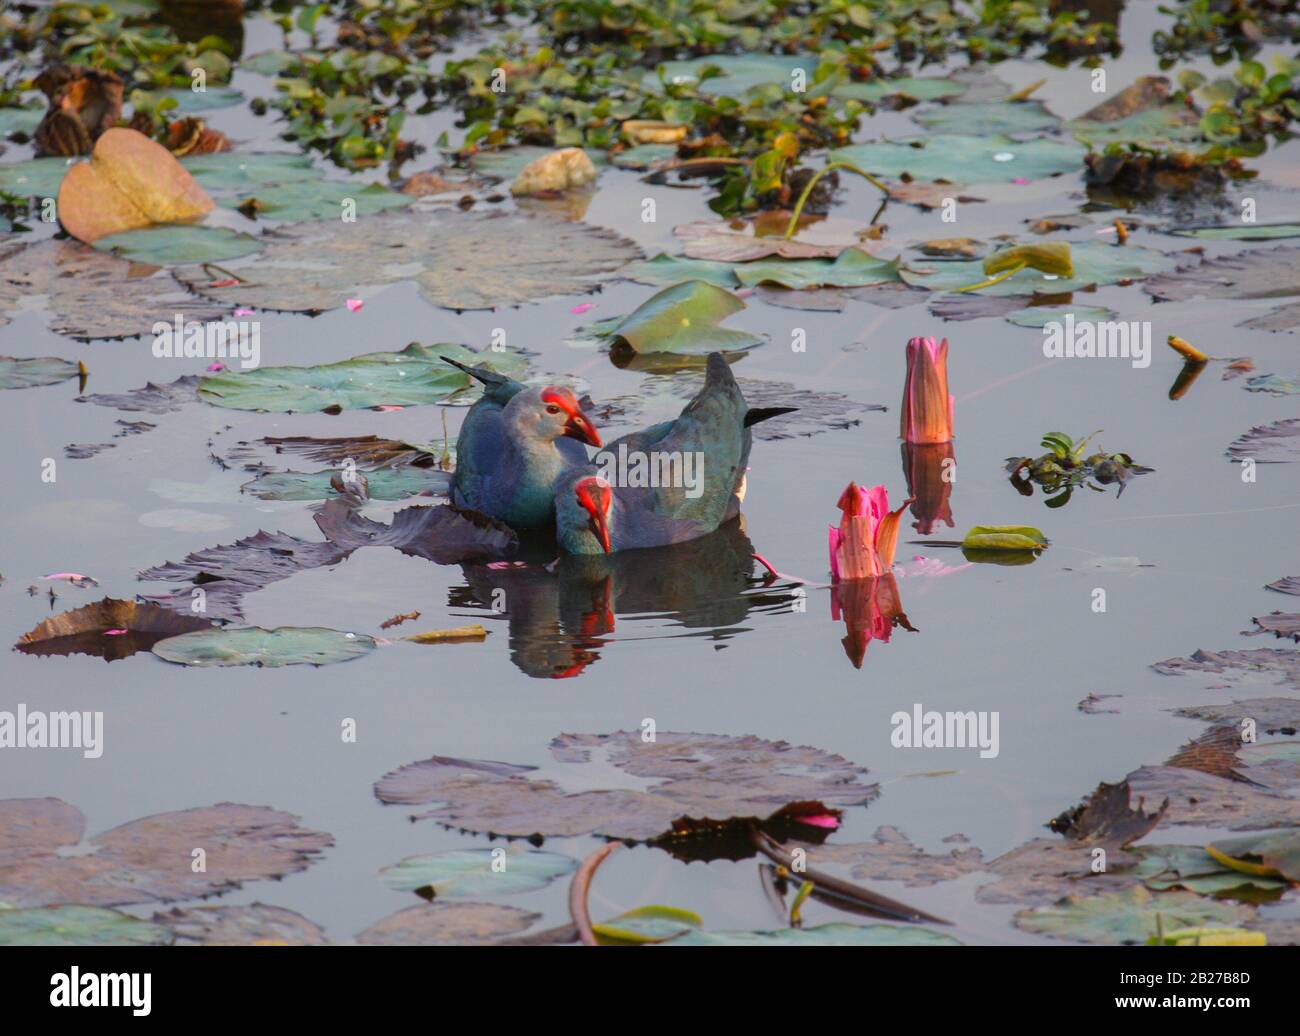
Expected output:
(1064, 468)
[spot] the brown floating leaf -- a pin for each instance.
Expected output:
(225, 573)
(85, 631)
(93, 294)
(448, 924)
(255, 925)
(1276, 443)
(1286, 585)
(151, 398)
(1214, 752)
(366, 451)
(1257, 274)
(929, 195)
(1146, 93)
(1045, 869)
(397, 620)
(972, 306)
(1280, 624)
(44, 860)
(737, 241)
(1106, 819)
(428, 183)
(129, 182)
(631, 789)
(1269, 714)
(1238, 666)
(893, 857)
(84, 103)
(192, 137)
(444, 535)
(1208, 801)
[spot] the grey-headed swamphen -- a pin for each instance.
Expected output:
(513, 445)
(695, 465)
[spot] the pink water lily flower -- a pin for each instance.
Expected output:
(582, 307)
(927, 403)
(355, 304)
(863, 545)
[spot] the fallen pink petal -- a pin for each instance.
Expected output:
(355, 304)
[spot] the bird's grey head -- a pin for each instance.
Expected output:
(550, 413)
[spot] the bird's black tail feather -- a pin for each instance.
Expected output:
(765, 413)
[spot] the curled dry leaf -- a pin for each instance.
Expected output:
(129, 182)
(82, 631)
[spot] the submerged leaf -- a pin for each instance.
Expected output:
(287, 645)
(466, 873)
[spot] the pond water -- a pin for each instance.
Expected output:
(699, 654)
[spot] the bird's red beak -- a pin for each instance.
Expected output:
(578, 426)
(595, 498)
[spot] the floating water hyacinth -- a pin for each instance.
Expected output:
(863, 545)
(927, 404)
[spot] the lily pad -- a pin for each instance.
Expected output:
(619, 786)
(667, 270)
(254, 925)
(1128, 917)
(647, 924)
(852, 268)
(225, 573)
(739, 73)
(1276, 443)
(685, 318)
(415, 376)
(1274, 384)
(1275, 854)
(1286, 585)
(448, 924)
(92, 294)
(33, 372)
(823, 935)
(1093, 262)
(444, 535)
(150, 398)
(1258, 666)
(508, 163)
(45, 858)
(1269, 714)
(164, 245)
(323, 199)
(86, 630)
(1039, 316)
(382, 484)
(964, 159)
(190, 101)
(916, 88)
(244, 173)
(643, 156)
(996, 117)
(78, 926)
(1205, 800)
(1159, 128)
(20, 120)
(1256, 274)
(1241, 232)
(466, 873)
(893, 857)
(252, 645)
(459, 260)
(1190, 867)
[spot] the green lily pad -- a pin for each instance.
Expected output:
(1190, 867)
(78, 926)
(459, 260)
(1157, 128)
(852, 268)
(252, 645)
(35, 178)
(323, 199)
(382, 484)
(466, 873)
(1241, 232)
(32, 372)
(20, 120)
(995, 117)
(413, 377)
(507, 163)
(685, 318)
(918, 88)
(1039, 316)
(246, 172)
(740, 73)
(643, 156)
(1270, 854)
(823, 935)
(666, 269)
(190, 102)
(965, 159)
(1004, 537)
(178, 243)
(1094, 263)
(647, 924)
(1127, 917)
(271, 62)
